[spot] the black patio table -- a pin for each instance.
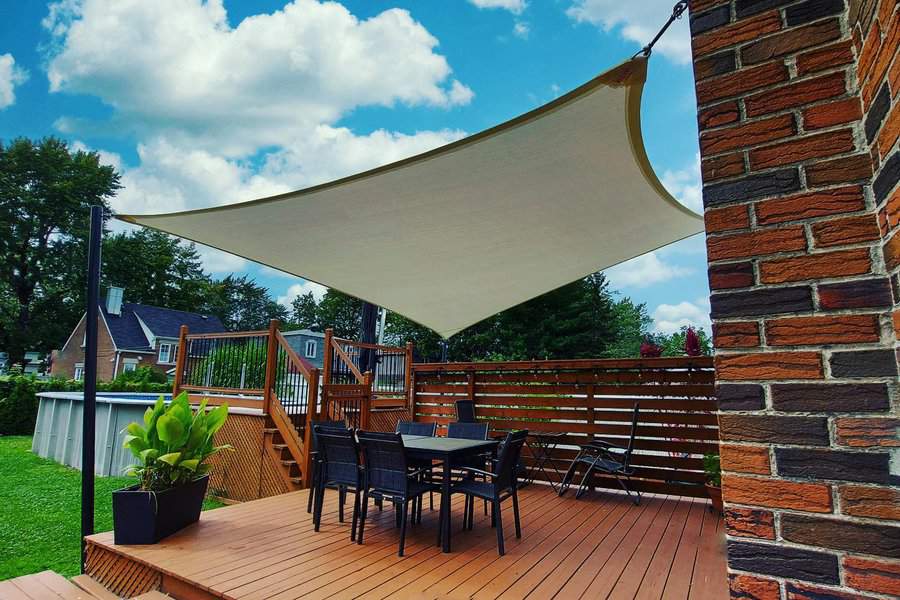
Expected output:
(450, 451)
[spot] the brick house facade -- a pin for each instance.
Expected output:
(797, 110)
(130, 336)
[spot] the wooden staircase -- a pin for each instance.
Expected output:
(280, 453)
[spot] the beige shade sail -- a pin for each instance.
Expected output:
(452, 236)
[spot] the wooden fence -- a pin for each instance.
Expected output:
(590, 399)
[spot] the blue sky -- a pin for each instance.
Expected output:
(205, 103)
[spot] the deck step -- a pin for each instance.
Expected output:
(289, 463)
(280, 446)
(94, 587)
(297, 480)
(40, 586)
(270, 430)
(154, 595)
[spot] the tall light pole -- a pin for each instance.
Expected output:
(89, 408)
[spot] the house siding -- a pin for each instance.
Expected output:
(72, 353)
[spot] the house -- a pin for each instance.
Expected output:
(129, 336)
(34, 363)
(307, 344)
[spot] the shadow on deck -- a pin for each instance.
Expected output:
(600, 546)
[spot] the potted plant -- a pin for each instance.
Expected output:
(171, 448)
(713, 469)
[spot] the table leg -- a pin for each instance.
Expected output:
(445, 503)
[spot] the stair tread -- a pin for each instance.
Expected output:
(45, 584)
(94, 587)
(154, 595)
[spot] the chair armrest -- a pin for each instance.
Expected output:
(602, 445)
(478, 471)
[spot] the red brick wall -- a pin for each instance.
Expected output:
(72, 353)
(797, 109)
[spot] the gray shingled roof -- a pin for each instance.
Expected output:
(127, 333)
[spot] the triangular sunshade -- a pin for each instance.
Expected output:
(455, 235)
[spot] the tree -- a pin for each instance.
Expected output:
(242, 304)
(673, 344)
(304, 312)
(155, 269)
(341, 313)
(630, 324)
(45, 194)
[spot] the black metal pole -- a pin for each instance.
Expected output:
(89, 409)
(367, 335)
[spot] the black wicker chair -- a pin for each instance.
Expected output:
(500, 485)
(416, 428)
(387, 475)
(428, 430)
(315, 458)
(465, 411)
(605, 457)
(340, 469)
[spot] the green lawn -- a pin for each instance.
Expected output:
(40, 511)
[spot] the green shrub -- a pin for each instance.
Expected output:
(19, 401)
(173, 444)
(713, 469)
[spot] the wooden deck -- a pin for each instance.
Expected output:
(600, 546)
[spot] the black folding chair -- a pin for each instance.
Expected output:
(340, 470)
(387, 475)
(607, 458)
(416, 428)
(316, 459)
(465, 411)
(499, 485)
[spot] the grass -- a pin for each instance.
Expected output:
(40, 511)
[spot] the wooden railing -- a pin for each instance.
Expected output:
(253, 369)
(590, 399)
(346, 363)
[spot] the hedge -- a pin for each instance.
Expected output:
(19, 400)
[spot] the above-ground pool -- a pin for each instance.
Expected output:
(57, 430)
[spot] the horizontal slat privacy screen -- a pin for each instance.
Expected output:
(591, 399)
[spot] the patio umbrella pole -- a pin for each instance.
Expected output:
(89, 408)
(367, 336)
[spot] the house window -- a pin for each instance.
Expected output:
(310, 349)
(168, 353)
(79, 372)
(129, 365)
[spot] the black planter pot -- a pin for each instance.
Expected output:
(147, 517)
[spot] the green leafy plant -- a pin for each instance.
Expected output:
(713, 469)
(173, 443)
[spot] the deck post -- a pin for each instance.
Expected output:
(312, 399)
(408, 373)
(271, 356)
(368, 376)
(326, 360)
(180, 360)
(89, 405)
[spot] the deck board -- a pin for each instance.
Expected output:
(600, 546)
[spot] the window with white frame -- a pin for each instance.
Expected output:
(310, 349)
(168, 353)
(79, 372)
(129, 365)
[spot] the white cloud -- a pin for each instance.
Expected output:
(638, 21)
(10, 77)
(643, 271)
(521, 30)
(176, 68)
(685, 184)
(514, 6)
(218, 262)
(301, 289)
(106, 158)
(669, 318)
